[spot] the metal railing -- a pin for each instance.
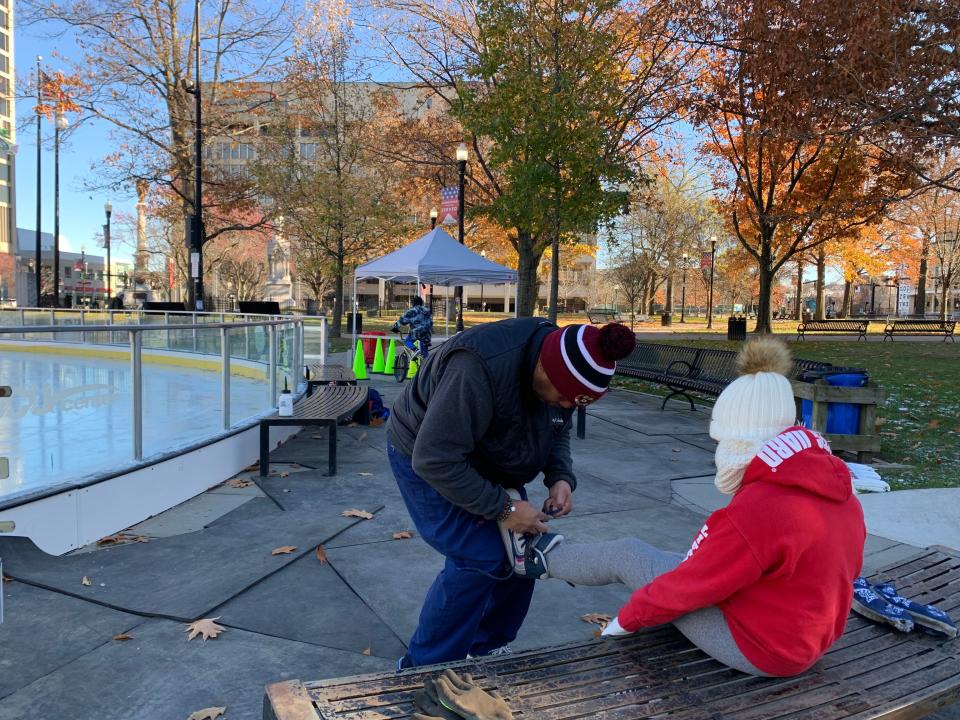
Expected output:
(190, 337)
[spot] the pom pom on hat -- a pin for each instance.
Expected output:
(580, 360)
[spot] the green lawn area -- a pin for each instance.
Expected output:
(920, 421)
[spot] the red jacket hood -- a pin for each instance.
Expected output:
(800, 458)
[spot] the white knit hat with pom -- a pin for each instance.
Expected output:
(751, 410)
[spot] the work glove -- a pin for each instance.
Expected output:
(427, 702)
(614, 629)
(469, 701)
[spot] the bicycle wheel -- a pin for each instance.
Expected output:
(400, 366)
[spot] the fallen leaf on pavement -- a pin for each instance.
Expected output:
(363, 514)
(285, 550)
(210, 713)
(367, 652)
(317, 436)
(122, 539)
(365, 474)
(402, 535)
(596, 619)
(255, 466)
(239, 483)
(7, 578)
(123, 636)
(321, 555)
(676, 449)
(206, 628)
(86, 581)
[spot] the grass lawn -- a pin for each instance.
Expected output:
(920, 421)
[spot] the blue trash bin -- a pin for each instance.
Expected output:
(842, 418)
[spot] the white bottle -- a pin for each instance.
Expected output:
(285, 403)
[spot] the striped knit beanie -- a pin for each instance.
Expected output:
(579, 360)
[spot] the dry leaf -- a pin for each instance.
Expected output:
(317, 436)
(86, 581)
(122, 636)
(239, 483)
(284, 474)
(285, 550)
(122, 539)
(596, 619)
(362, 514)
(7, 578)
(206, 628)
(934, 424)
(365, 474)
(250, 468)
(676, 449)
(368, 652)
(210, 713)
(402, 535)
(321, 555)
(598, 633)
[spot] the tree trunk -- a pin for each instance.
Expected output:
(528, 260)
(847, 298)
(554, 280)
(821, 281)
(766, 287)
(920, 301)
(338, 299)
(668, 298)
(944, 290)
(798, 305)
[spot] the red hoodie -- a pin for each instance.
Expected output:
(779, 561)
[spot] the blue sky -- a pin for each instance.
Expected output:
(81, 213)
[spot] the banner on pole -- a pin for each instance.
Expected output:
(706, 260)
(449, 197)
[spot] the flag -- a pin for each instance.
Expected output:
(106, 233)
(449, 200)
(706, 260)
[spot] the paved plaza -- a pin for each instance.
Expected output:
(642, 472)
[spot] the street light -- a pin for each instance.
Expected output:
(462, 167)
(61, 124)
(196, 233)
(713, 258)
(39, 165)
(616, 289)
(683, 291)
(108, 209)
(83, 274)
(433, 218)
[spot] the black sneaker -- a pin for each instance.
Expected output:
(536, 547)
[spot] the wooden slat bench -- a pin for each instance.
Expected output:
(920, 327)
(871, 672)
(842, 326)
(326, 406)
(317, 375)
(602, 315)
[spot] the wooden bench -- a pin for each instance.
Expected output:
(841, 326)
(326, 406)
(317, 375)
(872, 671)
(602, 315)
(920, 327)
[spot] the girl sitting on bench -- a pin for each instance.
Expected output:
(767, 585)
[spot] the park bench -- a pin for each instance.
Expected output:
(602, 315)
(920, 327)
(871, 672)
(325, 407)
(841, 326)
(684, 369)
(317, 375)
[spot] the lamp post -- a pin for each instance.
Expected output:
(713, 260)
(108, 209)
(196, 221)
(683, 290)
(616, 289)
(83, 273)
(483, 254)
(60, 123)
(39, 270)
(462, 168)
(433, 218)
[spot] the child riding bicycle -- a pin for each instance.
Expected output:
(420, 321)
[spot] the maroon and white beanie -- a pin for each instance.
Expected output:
(580, 360)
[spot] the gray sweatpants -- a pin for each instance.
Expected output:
(635, 563)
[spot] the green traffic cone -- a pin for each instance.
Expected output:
(391, 358)
(359, 364)
(378, 363)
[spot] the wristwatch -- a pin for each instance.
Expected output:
(508, 509)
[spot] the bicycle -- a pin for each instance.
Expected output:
(406, 356)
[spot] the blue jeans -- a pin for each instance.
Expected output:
(412, 344)
(475, 604)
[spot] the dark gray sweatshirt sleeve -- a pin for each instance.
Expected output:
(559, 465)
(460, 410)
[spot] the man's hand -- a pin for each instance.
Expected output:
(560, 502)
(526, 519)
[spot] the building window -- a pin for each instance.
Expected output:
(67, 271)
(308, 151)
(4, 41)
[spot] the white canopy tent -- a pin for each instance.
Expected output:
(434, 259)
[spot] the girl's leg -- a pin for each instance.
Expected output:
(635, 563)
